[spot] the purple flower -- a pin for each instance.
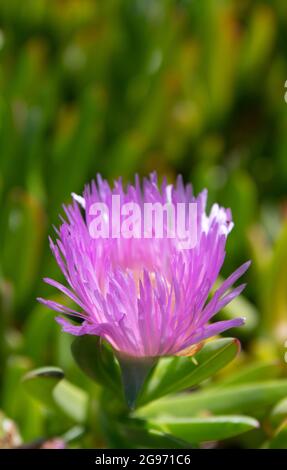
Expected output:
(145, 296)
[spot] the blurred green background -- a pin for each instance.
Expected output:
(118, 87)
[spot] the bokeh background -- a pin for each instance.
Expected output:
(118, 87)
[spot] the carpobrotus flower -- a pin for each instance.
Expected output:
(147, 297)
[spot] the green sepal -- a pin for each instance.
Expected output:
(135, 371)
(97, 360)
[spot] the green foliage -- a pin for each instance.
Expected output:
(97, 361)
(40, 383)
(194, 430)
(122, 87)
(249, 398)
(48, 386)
(178, 373)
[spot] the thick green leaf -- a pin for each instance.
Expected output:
(39, 331)
(135, 371)
(279, 413)
(212, 428)
(143, 435)
(234, 399)
(73, 434)
(97, 361)
(40, 383)
(178, 373)
(9, 433)
(273, 295)
(71, 400)
(255, 372)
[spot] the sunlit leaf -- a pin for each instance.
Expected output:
(134, 373)
(142, 434)
(23, 231)
(40, 383)
(241, 306)
(97, 361)
(49, 387)
(255, 372)
(279, 441)
(274, 294)
(206, 429)
(9, 433)
(279, 412)
(248, 398)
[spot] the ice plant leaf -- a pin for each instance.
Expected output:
(279, 412)
(134, 373)
(48, 386)
(142, 434)
(72, 400)
(251, 315)
(40, 383)
(213, 428)
(148, 294)
(97, 361)
(9, 433)
(21, 266)
(247, 398)
(256, 372)
(178, 373)
(279, 441)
